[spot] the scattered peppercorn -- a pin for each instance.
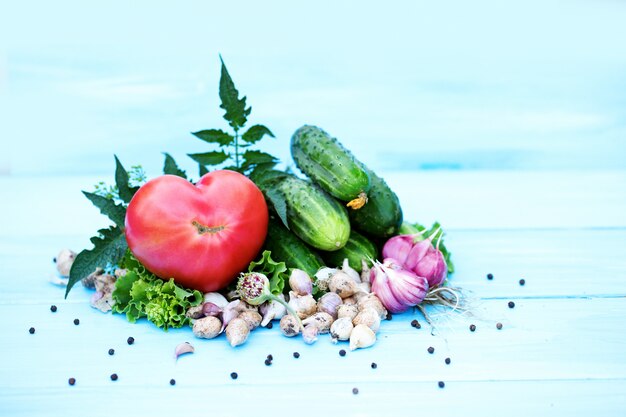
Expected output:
(111, 352)
(71, 381)
(31, 330)
(522, 282)
(113, 377)
(389, 316)
(472, 327)
(489, 276)
(511, 304)
(270, 357)
(499, 326)
(431, 350)
(269, 325)
(130, 340)
(54, 260)
(76, 322)
(448, 361)
(441, 384)
(342, 352)
(355, 391)
(268, 362)
(172, 381)
(296, 355)
(374, 366)
(233, 375)
(416, 324)
(53, 308)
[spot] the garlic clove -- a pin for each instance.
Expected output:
(64, 261)
(252, 318)
(231, 311)
(322, 278)
(372, 301)
(347, 310)
(365, 271)
(195, 312)
(289, 325)
(207, 327)
(321, 320)
(329, 303)
(303, 305)
(183, 348)
(348, 270)
(361, 337)
(368, 317)
(272, 310)
(216, 298)
(342, 284)
(309, 334)
(341, 328)
(211, 309)
(300, 282)
(237, 332)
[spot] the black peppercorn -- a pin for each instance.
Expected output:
(511, 304)
(269, 325)
(355, 391)
(71, 381)
(389, 316)
(130, 340)
(522, 282)
(489, 276)
(296, 355)
(270, 357)
(499, 326)
(416, 324)
(111, 351)
(431, 350)
(76, 322)
(53, 308)
(374, 366)
(448, 361)
(342, 352)
(472, 327)
(113, 377)
(172, 381)
(54, 260)
(31, 330)
(441, 384)
(233, 375)
(268, 362)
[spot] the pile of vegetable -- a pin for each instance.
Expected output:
(248, 243)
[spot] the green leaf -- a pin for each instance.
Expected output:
(115, 212)
(251, 158)
(215, 136)
(170, 167)
(209, 158)
(108, 248)
(121, 180)
(277, 200)
(275, 271)
(202, 170)
(255, 133)
(236, 111)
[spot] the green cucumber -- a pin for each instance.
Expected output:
(287, 247)
(382, 215)
(323, 159)
(358, 248)
(309, 213)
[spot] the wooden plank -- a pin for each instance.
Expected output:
(553, 263)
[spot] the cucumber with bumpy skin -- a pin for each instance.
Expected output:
(357, 249)
(309, 213)
(382, 215)
(287, 247)
(323, 159)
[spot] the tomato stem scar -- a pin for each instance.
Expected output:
(202, 229)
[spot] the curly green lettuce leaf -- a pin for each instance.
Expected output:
(139, 293)
(276, 272)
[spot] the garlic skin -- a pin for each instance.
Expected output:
(329, 303)
(373, 302)
(303, 305)
(321, 320)
(342, 284)
(368, 317)
(183, 348)
(300, 282)
(102, 299)
(348, 270)
(365, 271)
(237, 332)
(361, 337)
(341, 328)
(216, 298)
(207, 327)
(90, 280)
(347, 310)
(309, 334)
(323, 276)
(252, 318)
(64, 261)
(349, 301)
(272, 310)
(211, 309)
(289, 326)
(231, 311)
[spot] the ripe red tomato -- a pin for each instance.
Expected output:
(201, 235)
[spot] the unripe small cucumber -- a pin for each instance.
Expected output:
(382, 215)
(311, 214)
(287, 247)
(331, 166)
(357, 248)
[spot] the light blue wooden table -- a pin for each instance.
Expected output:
(503, 121)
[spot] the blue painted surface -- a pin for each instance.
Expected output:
(504, 122)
